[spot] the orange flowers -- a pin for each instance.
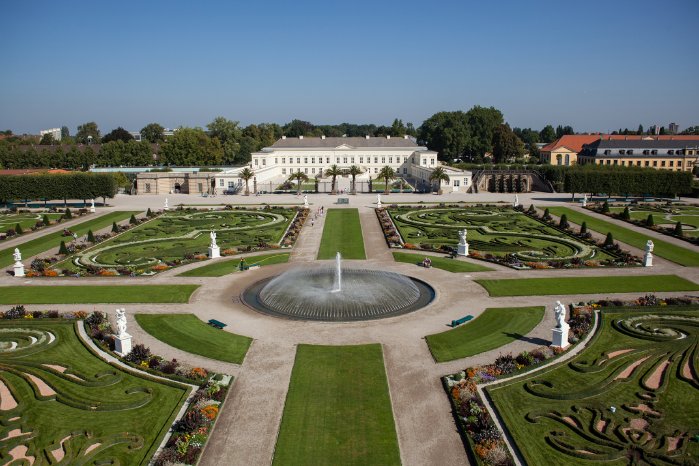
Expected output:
(210, 412)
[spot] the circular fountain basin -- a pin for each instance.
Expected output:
(304, 294)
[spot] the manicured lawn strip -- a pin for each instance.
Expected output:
(586, 285)
(337, 410)
(134, 412)
(26, 221)
(535, 408)
(219, 269)
(87, 294)
(188, 333)
(495, 327)
(342, 232)
(53, 240)
(450, 265)
(669, 251)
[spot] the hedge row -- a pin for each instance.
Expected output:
(627, 180)
(57, 186)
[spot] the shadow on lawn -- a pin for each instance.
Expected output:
(536, 340)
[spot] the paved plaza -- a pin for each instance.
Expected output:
(246, 431)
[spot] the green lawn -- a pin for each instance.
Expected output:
(53, 240)
(26, 221)
(89, 294)
(495, 327)
(671, 252)
(338, 410)
(450, 265)
(100, 413)
(562, 415)
(188, 333)
(586, 285)
(343, 233)
(221, 268)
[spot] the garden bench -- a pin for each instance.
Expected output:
(458, 322)
(343, 200)
(217, 324)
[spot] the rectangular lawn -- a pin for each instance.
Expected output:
(342, 232)
(338, 410)
(221, 268)
(188, 333)
(89, 294)
(450, 265)
(495, 327)
(586, 285)
(669, 251)
(53, 240)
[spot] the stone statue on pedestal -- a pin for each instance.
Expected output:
(166, 207)
(462, 248)
(122, 340)
(92, 206)
(212, 235)
(516, 203)
(560, 312)
(648, 256)
(462, 236)
(305, 201)
(560, 333)
(584, 201)
(378, 201)
(17, 255)
(121, 322)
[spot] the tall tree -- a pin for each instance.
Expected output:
(640, 129)
(87, 131)
(246, 175)
(65, 132)
(191, 146)
(483, 123)
(447, 133)
(298, 128)
(439, 175)
(354, 171)
(229, 134)
(387, 174)
(119, 134)
(397, 128)
(548, 134)
(506, 145)
(300, 177)
(334, 171)
(47, 140)
(153, 132)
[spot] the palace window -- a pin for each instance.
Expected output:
(220, 182)
(327, 159)
(305, 170)
(298, 159)
(672, 163)
(305, 160)
(283, 159)
(431, 161)
(405, 171)
(313, 160)
(283, 171)
(231, 185)
(376, 170)
(264, 161)
(655, 163)
(352, 159)
(147, 187)
(344, 159)
(361, 159)
(662, 163)
(390, 160)
(383, 160)
(256, 162)
(276, 161)
(313, 170)
(647, 163)
(376, 160)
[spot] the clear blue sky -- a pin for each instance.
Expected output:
(596, 65)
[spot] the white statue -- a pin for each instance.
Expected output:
(648, 256)
(166, 205)
(17, 255)
(92, 203)
(516, 203)
(649, 246)
(378, 200)
(305, 201)
(213, 239)
(584, 201)
(121, 321)
(462, 236)
(560, 312)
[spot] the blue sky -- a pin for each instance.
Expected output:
(596, 65)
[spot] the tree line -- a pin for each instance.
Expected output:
(626, 181)
(57, 186)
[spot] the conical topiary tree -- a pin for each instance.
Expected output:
(62, 249)
(605, 207)
(18, 229)
(115, 228)
(564, 222)
(547, 214)
(90, 236)
(46, 220)
(649, 221)
(149, 214)
(678, 229)
(133, 220)
(583, 228)
(67, 215)
(532, 209)
(609, 240)
(626, 215)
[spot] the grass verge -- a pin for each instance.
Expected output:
(188, 333)
(221, 268)
(86, 294)
(450, 265)
(53, 240)
(338, 410)
(669, 251)
(494, 328)
(342, 232)
(586, 285)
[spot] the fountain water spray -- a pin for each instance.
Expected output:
(337, 285)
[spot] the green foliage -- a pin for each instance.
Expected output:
(605, 207)
(300, 177)
(149, 214)
(153, 132)
(609, 240)
(450, 265)
(18, 229)
(190, 147)
(439, 176)
(133, 220)
(649, 221)
(246, 174)
(46, 220)
(334, 171)
(219, 269)
(89, 294)
(119, 134)
(678, 229)
(387, 174)
(506, 145)
(564, 222)
(626, 215)
(68, 215)
(115, 228)
(619, 180)
(342, 232)
(583, 227)
(87, 130)
(90, 236)
(57, 186)
(62, 249)
(548, 134)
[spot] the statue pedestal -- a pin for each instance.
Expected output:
(214, 252)
(462, 249)
(122, 344)
(648, 260)
(19, 269)
(560, 336)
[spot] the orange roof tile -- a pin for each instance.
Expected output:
(573, 142)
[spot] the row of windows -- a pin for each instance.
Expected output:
(343, 160)
(320, 170)
(646, 163)
(652, 152)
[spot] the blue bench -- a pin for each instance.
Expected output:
(343, 200)
(217, 324)
(463, 320)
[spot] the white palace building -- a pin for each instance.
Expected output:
(313, 156)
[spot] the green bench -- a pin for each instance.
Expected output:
(457, 322)
(343, 200)
(217, 324)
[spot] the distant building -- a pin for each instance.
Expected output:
(564, 151)
(675, 153)
(55, 132)
(136, 135)
(673, 128)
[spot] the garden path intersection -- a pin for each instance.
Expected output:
(247, 429)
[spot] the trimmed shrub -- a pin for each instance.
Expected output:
(626, 215)
(133, 220)
(605, 207)
(46, 220)
(62, 249)
(609, 240)
(583, 228)
(149, 214)
(678, 229)
(18, 229)
(564, 222)
(115, 228)
(138, 353)
(90, 236)
(649, 221)
(68, 215)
